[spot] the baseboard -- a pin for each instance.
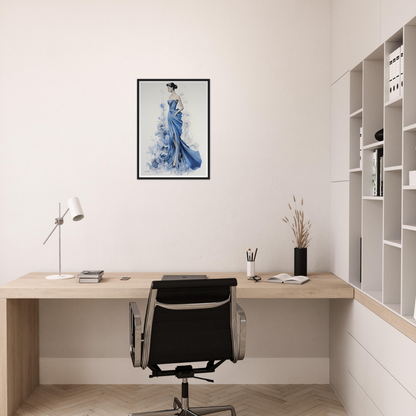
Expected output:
(248, 371)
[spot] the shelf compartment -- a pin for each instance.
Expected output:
(389, 47)
(367, 155)
(392, 205)
(409, 108)
(409, 208)
(373, 105)
(355, 215)
(409, 155)
(355, 125)
(356, 89)
(392, 275)
(393, 131)
(372, 246)
(409, 273)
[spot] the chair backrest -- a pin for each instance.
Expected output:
(190, 321)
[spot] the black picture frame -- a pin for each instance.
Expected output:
(160, 155)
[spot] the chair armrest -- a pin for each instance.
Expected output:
(135, 335)
(241, 331)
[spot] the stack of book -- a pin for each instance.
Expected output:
(412, 178)
(378, 172)
(91, 276)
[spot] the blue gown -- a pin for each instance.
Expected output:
(186, 157)
(162, 151)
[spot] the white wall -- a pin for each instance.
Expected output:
(68, 128)
(360, 26)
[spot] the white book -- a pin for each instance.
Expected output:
(287, 278)
(401, 69)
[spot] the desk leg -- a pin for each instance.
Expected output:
(19, 352)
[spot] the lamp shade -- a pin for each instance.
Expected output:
(75, 209)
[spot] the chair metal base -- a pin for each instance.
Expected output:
(180, 410)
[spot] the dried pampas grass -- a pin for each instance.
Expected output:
(299, 227)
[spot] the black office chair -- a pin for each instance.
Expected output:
(188, 321)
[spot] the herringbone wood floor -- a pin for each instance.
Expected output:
(121, 400)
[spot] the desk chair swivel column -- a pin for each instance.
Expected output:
(186, 322)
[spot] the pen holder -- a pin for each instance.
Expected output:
(251, 269)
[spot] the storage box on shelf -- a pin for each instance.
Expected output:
(386, 222)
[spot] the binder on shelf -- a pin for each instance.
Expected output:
(394, 74)
(391, 57)
(401, 69)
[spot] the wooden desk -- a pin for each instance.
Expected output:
(19, 315)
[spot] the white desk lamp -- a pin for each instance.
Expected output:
(74, 207)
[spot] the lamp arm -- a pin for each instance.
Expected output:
(58, 221)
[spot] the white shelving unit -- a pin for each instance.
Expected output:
(384, 227)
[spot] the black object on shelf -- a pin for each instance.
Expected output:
(379, 135)
(301, 261)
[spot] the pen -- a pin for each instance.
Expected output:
(255, 255)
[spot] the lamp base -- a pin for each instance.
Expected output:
(60, 276)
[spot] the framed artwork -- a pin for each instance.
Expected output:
(173, 129)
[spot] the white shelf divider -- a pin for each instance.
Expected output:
(357, 114)
(373, 198)
(372, 146)
(393, 168)
(412, 127)
(393, 243)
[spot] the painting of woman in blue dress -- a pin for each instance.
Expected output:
(180, 154)
(172, 152)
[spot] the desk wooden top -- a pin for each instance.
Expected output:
(35, 286)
